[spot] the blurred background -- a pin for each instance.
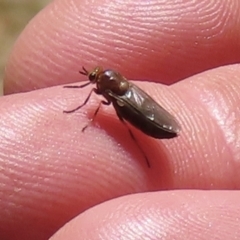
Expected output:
(14, 16)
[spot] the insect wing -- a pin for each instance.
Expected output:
(146, 107)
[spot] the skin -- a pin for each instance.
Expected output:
(56, 181)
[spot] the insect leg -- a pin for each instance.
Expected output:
(96, 112)
(85, 102)
(76, 86)
(133, 138)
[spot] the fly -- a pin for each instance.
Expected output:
(131, 104)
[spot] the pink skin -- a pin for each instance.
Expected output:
(51, 172)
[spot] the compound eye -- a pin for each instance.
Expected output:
(92, 76)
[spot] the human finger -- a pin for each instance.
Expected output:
(161, 42)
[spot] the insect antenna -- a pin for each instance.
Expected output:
(84, 72)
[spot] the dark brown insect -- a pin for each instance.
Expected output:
(131, 104)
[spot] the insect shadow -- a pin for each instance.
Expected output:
(131, 104)
(155, 151)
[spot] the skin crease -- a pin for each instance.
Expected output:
(51, 172)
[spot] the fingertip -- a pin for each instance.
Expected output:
(168, 215)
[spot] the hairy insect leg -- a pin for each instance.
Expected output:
(134, 139)
(85, 102)
(95, 113)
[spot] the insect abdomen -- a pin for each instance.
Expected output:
(143, 123)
